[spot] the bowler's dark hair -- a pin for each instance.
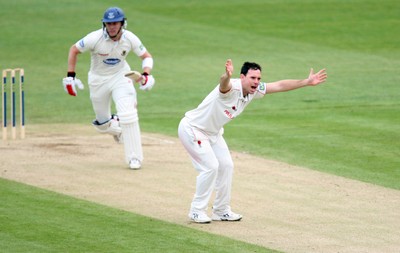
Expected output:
(249, 65)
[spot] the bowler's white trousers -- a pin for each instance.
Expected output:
(211, 158)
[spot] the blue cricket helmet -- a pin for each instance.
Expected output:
(113, 14)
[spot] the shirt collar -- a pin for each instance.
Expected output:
(243, 98)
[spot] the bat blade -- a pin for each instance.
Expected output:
(134, 76)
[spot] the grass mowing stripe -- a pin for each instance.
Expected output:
(360, 25)
(36, 220)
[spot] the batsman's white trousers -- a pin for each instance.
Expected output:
(121, 90)
(102, 90)
(212, 159)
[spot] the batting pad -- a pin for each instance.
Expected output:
(132, 141)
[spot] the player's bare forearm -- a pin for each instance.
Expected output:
(225, 80)
(72, 58)
(292, 84)
(285, 85)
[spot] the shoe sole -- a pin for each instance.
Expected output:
(200, 222)
(137, 167)
(222, 219)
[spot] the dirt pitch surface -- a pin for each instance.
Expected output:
(287, 208)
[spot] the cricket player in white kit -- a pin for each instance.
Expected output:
(109, 48)
(201, 133)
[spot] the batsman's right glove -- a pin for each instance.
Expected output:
(148, 82)
(70, 82)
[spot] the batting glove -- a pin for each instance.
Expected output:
(148, 82)
(70, 83)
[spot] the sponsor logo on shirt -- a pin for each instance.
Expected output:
(228, 114)
(112, 61)
(81, 43)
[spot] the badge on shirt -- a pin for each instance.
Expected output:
(261, 87)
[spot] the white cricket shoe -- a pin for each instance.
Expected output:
(199, 217)
(135, 164)
(227, 216)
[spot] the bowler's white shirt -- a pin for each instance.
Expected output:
(217, 109)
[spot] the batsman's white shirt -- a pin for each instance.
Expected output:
(217, 109)
(108, 56)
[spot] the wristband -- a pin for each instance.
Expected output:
(71, 74)
(147, 63)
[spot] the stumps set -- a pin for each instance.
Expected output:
(13, 75)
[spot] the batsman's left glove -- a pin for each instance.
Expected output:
(147, 82)
(70, 82)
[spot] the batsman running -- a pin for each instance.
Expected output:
(201, 133)
(110, 79)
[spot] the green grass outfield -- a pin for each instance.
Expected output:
(35, 220)
(349, 127)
